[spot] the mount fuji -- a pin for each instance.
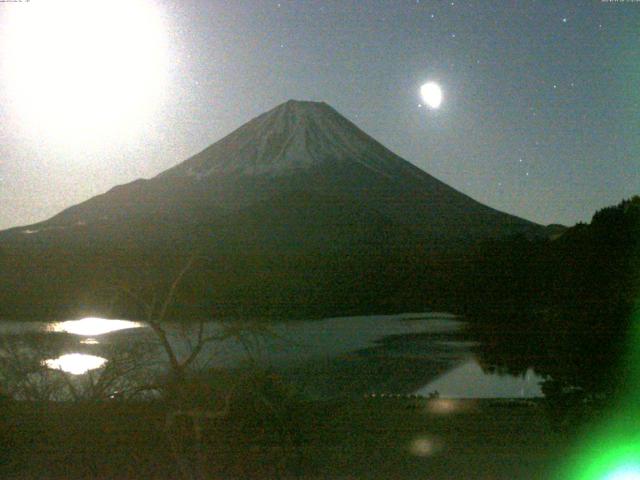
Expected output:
(296, 212)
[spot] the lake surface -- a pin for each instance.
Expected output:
(414, 353)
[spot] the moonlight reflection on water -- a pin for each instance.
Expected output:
(75, 363)
(80, 363)
(92, 326)
(346, 356)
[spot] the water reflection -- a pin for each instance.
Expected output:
(469, 381)
(349, 356)
(80, 363)
(75, 363)
(92, 326)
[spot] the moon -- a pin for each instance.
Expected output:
(82, 69)
(431, 94)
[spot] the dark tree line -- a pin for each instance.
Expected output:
(564, 305)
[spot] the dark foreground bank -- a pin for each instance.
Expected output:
(369, 438)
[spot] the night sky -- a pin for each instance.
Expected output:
(540, 116)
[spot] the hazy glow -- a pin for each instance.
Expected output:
(424, 446)
(442, 406)
(84, 68)
(75, 363)
(431, 94)
(90, 327)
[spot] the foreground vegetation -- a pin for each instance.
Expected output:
(564, 306)
(374, 438)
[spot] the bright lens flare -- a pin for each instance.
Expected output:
(84, 68)
(629, 472)
(431, 94)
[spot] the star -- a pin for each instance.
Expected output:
(564, 20)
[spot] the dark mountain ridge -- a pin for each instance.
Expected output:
(296, 211)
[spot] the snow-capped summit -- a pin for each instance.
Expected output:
(293, 136)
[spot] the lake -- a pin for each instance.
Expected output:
(413, 353)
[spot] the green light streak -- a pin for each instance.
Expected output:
(612, 450)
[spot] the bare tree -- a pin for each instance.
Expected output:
(23, 376)
(193, 336)
(26, 375)
(133, 370)
(185, 346)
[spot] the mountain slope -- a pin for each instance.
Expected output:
(296, 209)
